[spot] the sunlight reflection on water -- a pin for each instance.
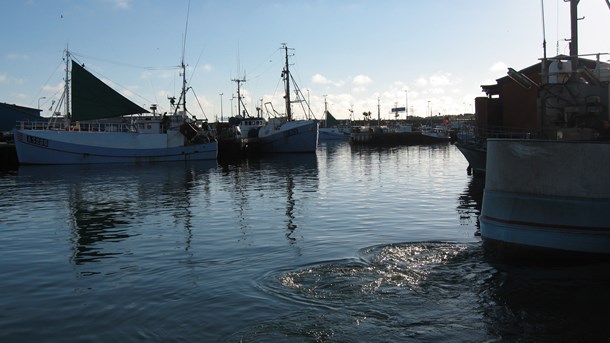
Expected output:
(350, 244)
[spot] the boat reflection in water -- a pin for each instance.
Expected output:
(558, 303)
(293, 175)
(106, 202)
(471, 201)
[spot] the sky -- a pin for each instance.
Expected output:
(354, 55)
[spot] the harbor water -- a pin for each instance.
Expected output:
(351, 244)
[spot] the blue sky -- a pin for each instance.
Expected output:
(354, 53)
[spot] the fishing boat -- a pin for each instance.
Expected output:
(249, 126)
(283, 134)
(549, 197)
(331, 130)
(243, 140)
(102, 126)
(333, 134)
(438, 133)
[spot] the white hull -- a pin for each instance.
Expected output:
(439, 136)
(293, 136)
(547, 195)
(333, 134)
(79, 147)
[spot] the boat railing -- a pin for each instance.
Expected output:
(74, 126)
(473, 134)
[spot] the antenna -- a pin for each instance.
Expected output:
(182, 65)
(543, 64)
(239, 97)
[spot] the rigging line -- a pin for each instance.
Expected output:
(268, 59)
(186, 26)
(123, 63)
(201, 107)
(60, 64)
(302, 100)
(196, 64)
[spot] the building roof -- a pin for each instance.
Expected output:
(10, 114)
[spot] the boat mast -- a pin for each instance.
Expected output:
(286, 76)
(67, 86)
(183, 93)
(378, 111)
(325, 111)
(239, 81)
(574, 32)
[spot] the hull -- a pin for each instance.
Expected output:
(62, 147)
(293, 136)
(333, 134)
(547, 197)
(475, 154)
(435, 137)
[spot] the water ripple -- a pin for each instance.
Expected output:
(411, 290)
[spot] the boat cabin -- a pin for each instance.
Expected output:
(148, 125)
(511, 107)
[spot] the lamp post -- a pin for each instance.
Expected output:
(406, 105)
(233, 97)
(221, 116)
(308, 103)
(42, 97)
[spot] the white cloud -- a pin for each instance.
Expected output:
(439, 80)
(360, 80)
(123, 4)
(3, 79)
(163, 94)
(488, 82)
(157, 74)
(53, 88)
(320, 79)
(436, 90)
(207, 67)
(120, 4)
(498, 67)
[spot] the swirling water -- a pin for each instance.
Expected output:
(347, 245)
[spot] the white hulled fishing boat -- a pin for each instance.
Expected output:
(284, 134)
(100, 127)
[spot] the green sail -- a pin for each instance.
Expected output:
(330, 120)
(92, 99)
